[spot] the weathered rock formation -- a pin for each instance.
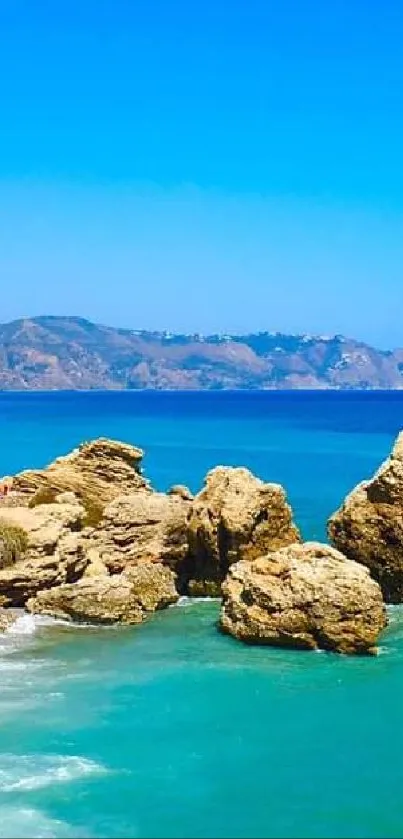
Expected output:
(53, 553)
(235, 516)
(97, 472)
(182, 491)
(143, 527)
(127, 598)
(368, 527)
(110, 549)
(303, 596)
(7, 618)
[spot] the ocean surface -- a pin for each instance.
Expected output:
(171, 729)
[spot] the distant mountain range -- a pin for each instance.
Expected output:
(70, 353)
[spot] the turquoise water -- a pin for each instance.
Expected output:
(170, 729)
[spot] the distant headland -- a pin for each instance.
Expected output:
(71, 353)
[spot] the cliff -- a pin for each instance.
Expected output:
(50, 353)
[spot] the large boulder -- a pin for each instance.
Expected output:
(97, 472)
(127, 598)
(304, 596)
(235, 517)
(143, 527)
(52, 550)
(368, 527)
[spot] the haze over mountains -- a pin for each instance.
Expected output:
(50, 353)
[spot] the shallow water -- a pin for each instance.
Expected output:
(176, 730)
(172, 729)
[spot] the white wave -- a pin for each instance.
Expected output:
(193, 601)
(30, 772)
(9, 664)
(29, 823)
(27, 624)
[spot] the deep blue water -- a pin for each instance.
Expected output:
(171, 729)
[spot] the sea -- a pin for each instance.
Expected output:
(172, 729)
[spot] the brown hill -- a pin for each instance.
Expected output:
(49, 353)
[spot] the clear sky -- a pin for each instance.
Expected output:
(209, 165)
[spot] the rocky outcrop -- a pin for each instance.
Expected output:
(53, 553)
(123, 523)
(7, 618)
(96, 544)
(87, 539)
(143, 527)
(127, 598)
(304, 596)
(235, 517)
(369, 525)
(97, 472)
(182, 491)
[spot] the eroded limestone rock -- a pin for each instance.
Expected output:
(53, 554)
(143, 527)
(368, 527)
(236, 516)
(127, 598)
(97, 472)
(303, 596)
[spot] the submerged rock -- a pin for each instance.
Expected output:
(236, 516)
(97, 472)
(303, 596)
(127, 598)
(368, 527)
(52, 554)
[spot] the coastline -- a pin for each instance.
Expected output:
(120, 550)
(215, 391)
(147, 730)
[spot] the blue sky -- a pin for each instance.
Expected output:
(208, 165)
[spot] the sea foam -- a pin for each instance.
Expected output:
(193, 601)
(26, 624)
(31, 823)
(31, 772)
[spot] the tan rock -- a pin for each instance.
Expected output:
(7, 618)
(236, 516)
(92, 512)
(127, 598)
(368, 527)
(96, 567)
(182, 491)
(97, 471)
(53, 555)
(303, 596)
(143, 527)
